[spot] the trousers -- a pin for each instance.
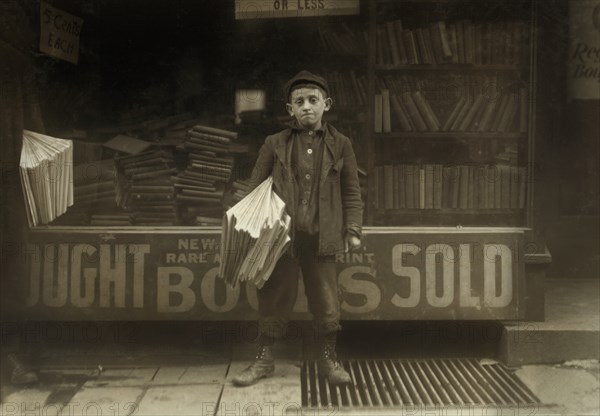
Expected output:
(277, 297)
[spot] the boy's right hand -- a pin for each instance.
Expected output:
(351, 243)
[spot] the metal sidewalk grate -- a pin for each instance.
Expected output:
(422, 382)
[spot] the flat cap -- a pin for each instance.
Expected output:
(305, 78)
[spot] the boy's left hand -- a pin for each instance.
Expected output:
(351, 243)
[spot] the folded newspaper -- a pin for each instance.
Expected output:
(255, 235)
(46, 169)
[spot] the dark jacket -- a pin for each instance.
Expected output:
(340, 204)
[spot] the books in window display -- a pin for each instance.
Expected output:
(145, 187)
(343, 41)
(349, 89)
(456, 42)
(413, 112)
(94, 194)
(46, 171)
(210, 166)
(460, 187)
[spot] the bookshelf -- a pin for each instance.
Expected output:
(451, 83)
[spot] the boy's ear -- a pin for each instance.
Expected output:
(328, 103)
(289, 109)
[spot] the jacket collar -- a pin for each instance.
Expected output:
(284, 152)
(296, 127)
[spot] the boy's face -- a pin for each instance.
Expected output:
(308, 104)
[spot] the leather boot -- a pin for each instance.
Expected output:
(20, 374)
(262, 367)
(327, 363)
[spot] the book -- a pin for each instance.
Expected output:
(447, 52)
(426, 112)
(486, 44)
(379, 46)
(452, 42)
(523, 110)
(410, 45)
(463, 187)
(469, 37)
(461, 114)
(437, 186)
(469, 117)
(381, 186)
(401, 114)
(409, 175)
(486, 118)
(214, 138)
(422, 47)
(477, 43)
(435, 37)
(455, 182)
(215, 131)
(126, 144)
(393, 42)
(471, 187)
(421, 187)
(454, 114)
(429, 185)
(378, 110)
(386, 120)
(500, 111)
(505, 186)
(415, 115)
(401, 178)
(388, 175)
(402, 52)
(460, 41)
(386, 47)
(508, 118)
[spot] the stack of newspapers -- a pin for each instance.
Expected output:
(255, 234)
(46, 169)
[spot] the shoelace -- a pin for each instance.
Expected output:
(18, 367)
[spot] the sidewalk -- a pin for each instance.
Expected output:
(176, 375)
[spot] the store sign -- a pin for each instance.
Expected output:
(174, 276)
(268, 9)
(584, 50)
(59, 33)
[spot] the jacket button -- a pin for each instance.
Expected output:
(307, 176)
(304, 202)
(309, 151)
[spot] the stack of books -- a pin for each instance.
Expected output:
(46, 169)
(254, 236)
(112, 220)
(241, 188)
(199, 188)
(145, 187)
(94, 185)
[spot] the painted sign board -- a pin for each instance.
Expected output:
(270, 9)
(584, 50)
(59, 33)
(397, 275)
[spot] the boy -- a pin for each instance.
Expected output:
(315, 173)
